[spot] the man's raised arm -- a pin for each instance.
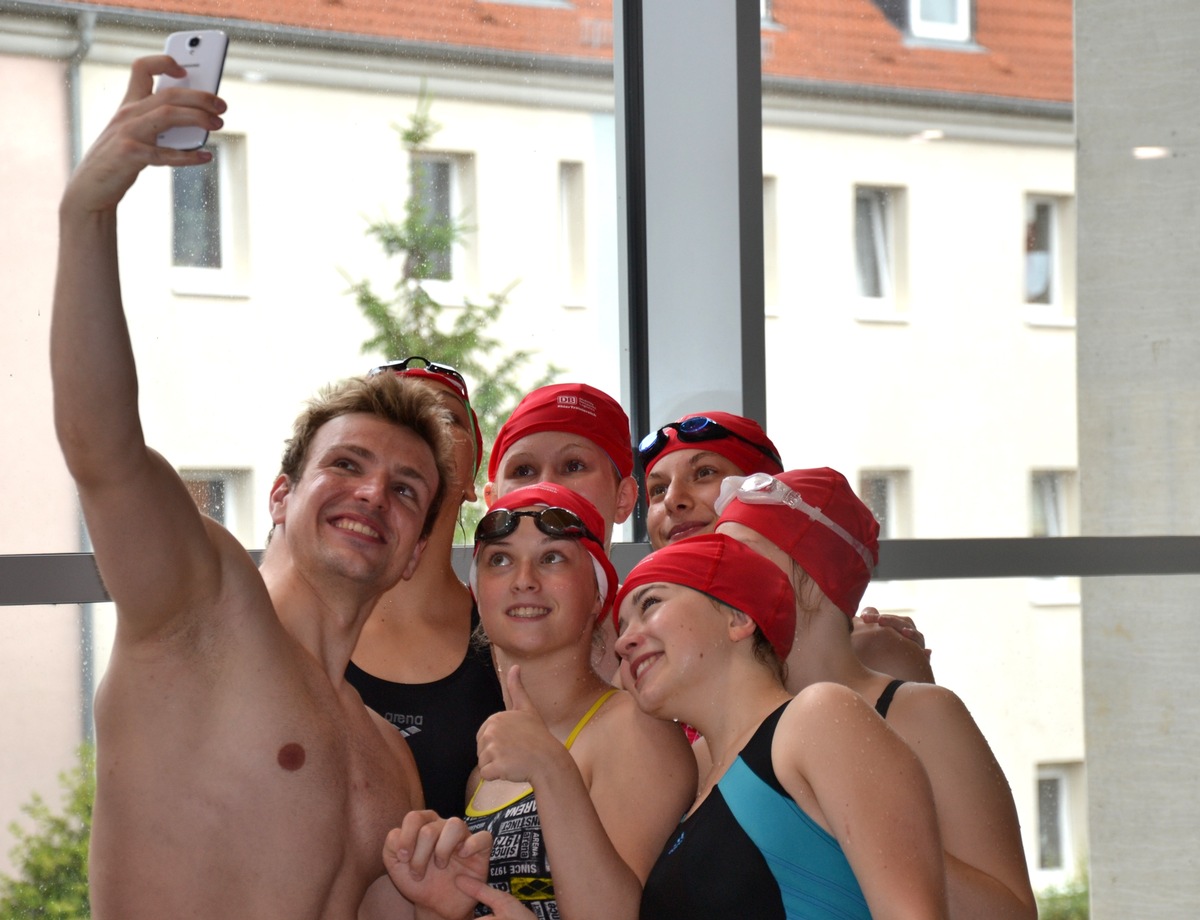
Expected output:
(151, 544)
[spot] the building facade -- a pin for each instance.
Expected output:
(918, 188)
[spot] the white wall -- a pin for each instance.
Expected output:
(39, 647)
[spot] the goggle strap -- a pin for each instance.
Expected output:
(781, 493)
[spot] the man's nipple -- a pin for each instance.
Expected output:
(291, 756)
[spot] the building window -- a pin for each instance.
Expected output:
(1043, 250)
(1051, 820)
(571, 234)
(209, 231)
(1061, 822)
(886, 493)
(196, 198)
(221, 494)
(946, 20)
(875, 241)
(1052, 503)
(1054, 512)
(442, 186)
(431, 182)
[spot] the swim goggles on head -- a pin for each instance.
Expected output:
(694, 430)
(454, 378)
(765, 489)
(553, 522)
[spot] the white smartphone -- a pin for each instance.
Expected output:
(202, 54)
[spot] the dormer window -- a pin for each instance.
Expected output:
(942, 20)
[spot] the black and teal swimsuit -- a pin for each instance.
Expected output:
(749, 851)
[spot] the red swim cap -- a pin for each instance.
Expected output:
(727, 571)
(815, 517)
(575, 408)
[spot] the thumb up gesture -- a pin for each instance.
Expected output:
(515, 745)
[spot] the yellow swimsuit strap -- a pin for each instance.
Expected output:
(587, 716)
(473, 812)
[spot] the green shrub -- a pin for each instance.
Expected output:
(51, 857)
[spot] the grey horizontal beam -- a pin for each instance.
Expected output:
(71, 578)
(1037, 557)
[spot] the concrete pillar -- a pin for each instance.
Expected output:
(1137, 72)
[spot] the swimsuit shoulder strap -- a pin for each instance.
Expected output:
(587, 717)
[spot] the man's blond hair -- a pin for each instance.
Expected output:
(407, 403)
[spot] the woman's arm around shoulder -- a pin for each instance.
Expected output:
(986, 872)
(853, 774)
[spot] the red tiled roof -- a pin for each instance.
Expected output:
(1022, 48)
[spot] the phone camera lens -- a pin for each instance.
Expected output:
(193, 41)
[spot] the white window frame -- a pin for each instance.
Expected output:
(463, 256)
(895, 522)
(885, 242)
(232, 278)
(1050, 253)
(957, 31)
(572, 234)
(1059, 307)
(236, 486)
(1059, 875)
(1054, 504)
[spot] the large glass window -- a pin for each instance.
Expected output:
(240, 278)
(974, 401)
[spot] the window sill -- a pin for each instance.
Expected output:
(1038, 319)
(208, 282)
(1054, 592)
(931, 43)
(884, 312)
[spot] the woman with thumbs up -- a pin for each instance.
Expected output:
(577, 786)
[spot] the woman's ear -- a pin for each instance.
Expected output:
(489, 494)
(627, 496)
(740, 626)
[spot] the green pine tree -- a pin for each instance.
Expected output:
(51, 858)
(410, 322)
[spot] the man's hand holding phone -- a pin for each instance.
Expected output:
(201, 57)
(129, 142)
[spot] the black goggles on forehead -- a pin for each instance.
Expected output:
(553, 522)
(694, 430)
(407, 364)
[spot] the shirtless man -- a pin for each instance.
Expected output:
(238, 774)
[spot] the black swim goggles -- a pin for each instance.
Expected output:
(442, 370)
(553, 522)
(694, 430)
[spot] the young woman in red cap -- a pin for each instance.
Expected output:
(575, 436)
(813, 808)
(685, 462)
(813, 527)
(574, 779)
